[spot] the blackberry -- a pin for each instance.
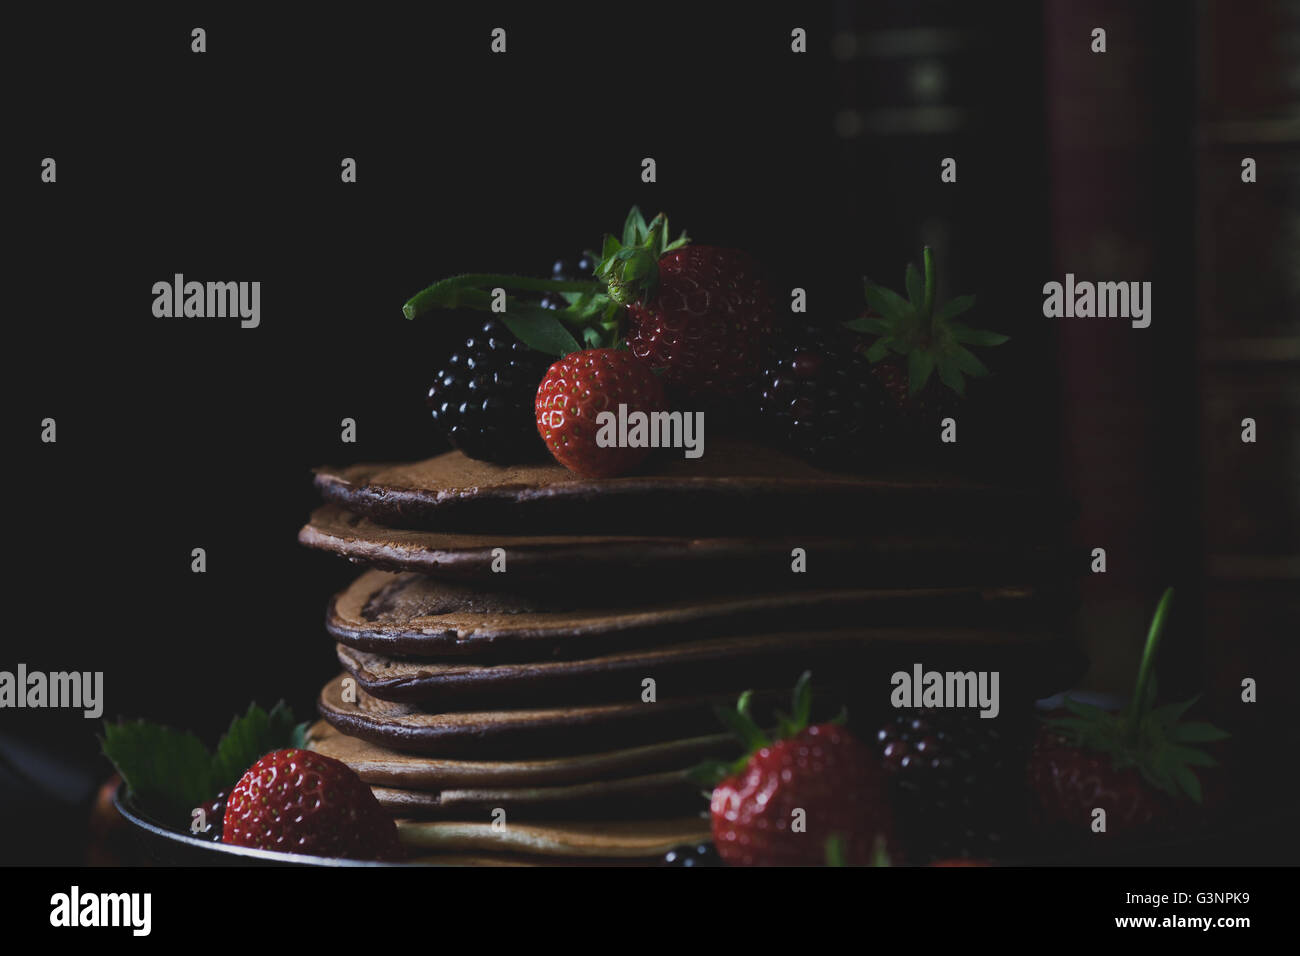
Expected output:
(955, 783)
(214, 812)
(817, 396)
(483, 398)
(583, 268)
(701, 854)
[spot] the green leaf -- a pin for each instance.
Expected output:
(953, 307)
(742, 725)
(1169, 713)
(952, 377)
(634, 227)
(980, 337)
(1191, 756)
(1197, 732)
(878, 351)
(709, 773)
(887, 302)
(248, 739)
(802, 700)
(168, 772)
(920, 364)
(869, 324)
(539, 329)
(1187, 781)
(591, 338)
(915, 287)
(835, 855)
(1086, 710)
(968, 363)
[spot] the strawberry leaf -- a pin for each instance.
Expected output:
(634, 228)
(1187, 781)
(539, 329)
(919, 367)
(951, 377)
(915, 287)
(968, 336)
(887, 302)
(870, 324)
(968, 363)
(803, 700)
(878, 351)
(953, 307)
(1197, 732)
(743, 726)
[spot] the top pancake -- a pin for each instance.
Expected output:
(735, 485)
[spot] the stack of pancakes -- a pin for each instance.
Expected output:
(532, 660)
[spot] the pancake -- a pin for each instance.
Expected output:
(415, 615)
(716, 665)
(382, 767)
(721, 562)
(521, 732)
(586, 840)
(659, 794)
(733, 485)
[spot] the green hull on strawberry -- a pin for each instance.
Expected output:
(1142, 766)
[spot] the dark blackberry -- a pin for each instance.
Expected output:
(214, 812)
(955, 783)
(483, 398)
(583, 268)
(700, 854)
(818, 397)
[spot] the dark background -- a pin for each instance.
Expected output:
(182, 433)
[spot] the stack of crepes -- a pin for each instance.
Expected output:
(531, 660)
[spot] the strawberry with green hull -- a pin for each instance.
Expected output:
(782, 802)
(920, 355)
(699, 313)
(1137, 765)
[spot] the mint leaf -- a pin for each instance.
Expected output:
(539, 329)
(167, 772)
(249, 739)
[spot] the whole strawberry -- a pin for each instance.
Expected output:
(1137, 764)
(783, 803)
(700, 314)
(573, 394)
(921, 355)
(297, 801)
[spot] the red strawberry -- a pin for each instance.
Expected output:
(788, 800)
(699, 313)
(576, 389)
(298, 801)
(1136, 764)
